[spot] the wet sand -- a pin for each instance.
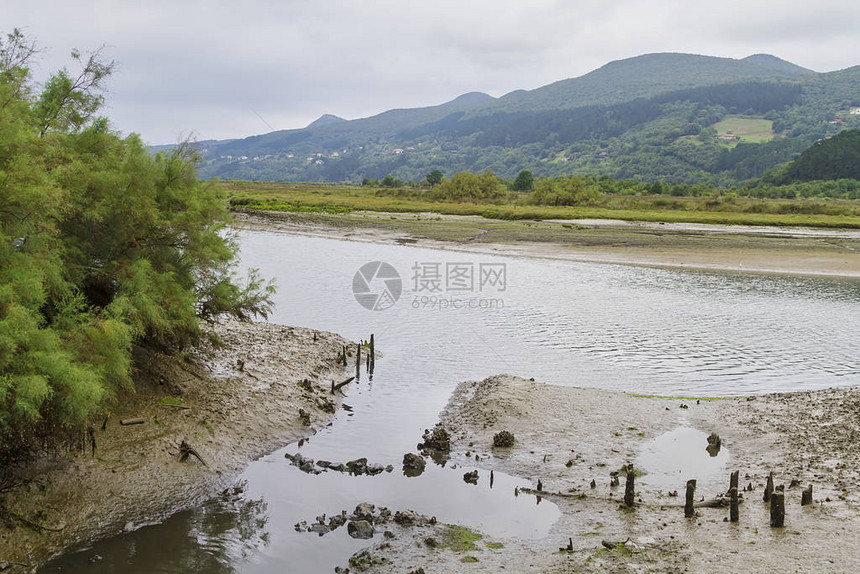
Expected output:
(230, 405)
(567, 437)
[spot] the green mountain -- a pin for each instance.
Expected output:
(672, 117)
(828, 159)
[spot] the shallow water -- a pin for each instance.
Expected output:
(636, 329)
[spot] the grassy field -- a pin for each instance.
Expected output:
(750, 130)
(338, 198)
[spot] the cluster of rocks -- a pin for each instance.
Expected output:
(438, 439)
(364, 520)
(355, 467)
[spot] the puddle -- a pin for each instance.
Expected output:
(673, 458)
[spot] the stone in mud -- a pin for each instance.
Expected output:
(504, 439)
(360, 529)
(437, 439)
(384, 516)
(471, 477)
(337, 520)
(357, 466)
(374, 469)
(319, 529)
(364, 511)
(412, 518)
(323, 464)
(413, 465)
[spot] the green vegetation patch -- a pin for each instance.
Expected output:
(460, 539)
(746, 129)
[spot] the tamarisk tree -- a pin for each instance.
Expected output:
(102, 246)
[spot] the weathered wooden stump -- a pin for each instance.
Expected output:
(629, 488)
(733, 504)
(777, 508)
(768, 489)
(689, 511)
(372, 353)
(357, 359)
(806, 497)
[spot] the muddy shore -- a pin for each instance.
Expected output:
(231, 405)
(566, 437)
(795, 251)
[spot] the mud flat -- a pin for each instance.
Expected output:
(566, 437)
(230, 405)
(737, 248)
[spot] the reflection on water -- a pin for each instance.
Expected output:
(666, 332)
(224, 532)
(675, 457)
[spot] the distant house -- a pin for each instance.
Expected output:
(855, 111)
(728, 137)
(398, 150)
(835, 121)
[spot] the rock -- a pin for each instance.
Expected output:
(438, 439)
(388, 534)
(357, 466)
(337, 521)
(375, 468)
(504, 439)
(364, 511)
(319, 528)
(323, 464)
(412, 518)
(413, 465)
(360, 529)
(471, 477)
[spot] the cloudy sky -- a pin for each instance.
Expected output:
(223, 69)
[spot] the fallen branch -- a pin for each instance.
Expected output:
(185, 451)
(339, 386)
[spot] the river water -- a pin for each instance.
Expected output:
(462, 316)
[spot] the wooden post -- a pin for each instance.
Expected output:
(777, 508)
(629, 488)
(733, 509)
(733, 480)
(372, 354)
(689, 512)
(357, 359)
(768, 490)
(806, 497)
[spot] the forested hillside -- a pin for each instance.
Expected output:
(670, 117)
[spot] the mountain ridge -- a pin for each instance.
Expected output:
(669, 100)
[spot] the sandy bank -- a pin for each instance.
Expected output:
(567, 437)
(738, 248)
(230, 405)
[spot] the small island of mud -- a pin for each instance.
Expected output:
(572, 446)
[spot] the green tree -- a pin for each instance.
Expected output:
(524, 181)
(102, 246)
(434, 177)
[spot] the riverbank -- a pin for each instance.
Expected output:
(567, 437)
(230, 405)
(796, 251)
